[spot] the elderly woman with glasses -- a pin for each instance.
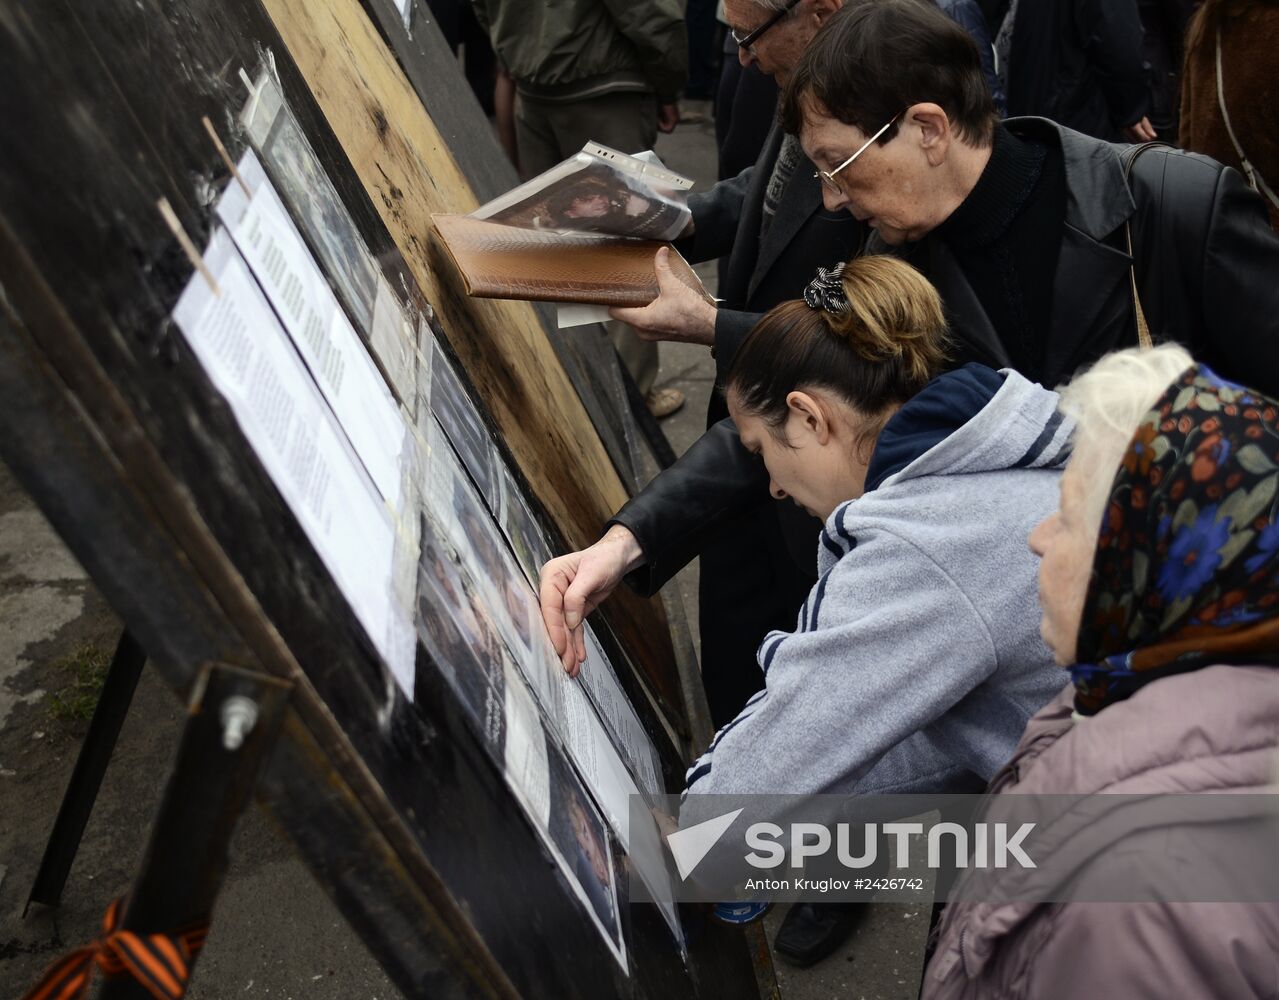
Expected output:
(1159, 582)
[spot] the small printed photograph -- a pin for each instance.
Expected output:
(322, 216)
(456, 412)
(579, 835)
(596, 199)
(522, 530)
(493, 564)
(456, 625)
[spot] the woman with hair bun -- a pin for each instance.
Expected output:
(916, 660)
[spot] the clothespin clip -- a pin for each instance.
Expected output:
(226, 157)
(184, 241)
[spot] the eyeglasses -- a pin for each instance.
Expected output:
(828, 176)
(751, 38)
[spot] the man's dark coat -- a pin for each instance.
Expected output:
(747, 590)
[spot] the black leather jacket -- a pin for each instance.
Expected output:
(1207, 267)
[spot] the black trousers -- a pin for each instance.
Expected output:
(750, 584)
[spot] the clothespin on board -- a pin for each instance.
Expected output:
(226, 157)
(184, 241)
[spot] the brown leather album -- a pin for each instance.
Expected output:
(503, 262)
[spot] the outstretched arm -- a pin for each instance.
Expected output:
(675, 514)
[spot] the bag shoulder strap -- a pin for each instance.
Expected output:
(1255, 180)
(1129, 158)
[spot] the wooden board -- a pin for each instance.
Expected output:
(409, 173)
(586, 352)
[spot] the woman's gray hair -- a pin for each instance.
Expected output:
(1107, 402)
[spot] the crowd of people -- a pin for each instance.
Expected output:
(614, 71)
(1017, 379)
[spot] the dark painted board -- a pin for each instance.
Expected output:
(118, 435)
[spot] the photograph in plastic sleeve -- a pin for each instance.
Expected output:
(298, 175)
(455, 506)
(562, 812)
(522, 530)
(502, 710)
(491, 562)
(456, 625)
(578, 833)
(455, 411)
(620, 720)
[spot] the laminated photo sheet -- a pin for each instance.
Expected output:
(462, 423)
(456, 510)
(268, 240)
(393, 337)
(618, 715)
(453, 408)
(455, 627)
(304, 186)
(455, 624)
(454, 504)
(252, 362)
(514, 609)
(302, 181)
(565, 816)
(521, 528)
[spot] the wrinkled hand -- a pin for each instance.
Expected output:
(678, 312)
(1142, 131)
(574, 585)
(667, 117)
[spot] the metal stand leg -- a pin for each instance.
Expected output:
(234, 720)
(90, 766)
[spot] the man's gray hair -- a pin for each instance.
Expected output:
(1107, 403)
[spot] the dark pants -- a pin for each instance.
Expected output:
(700, 18)
(750, 585)
(457, 23)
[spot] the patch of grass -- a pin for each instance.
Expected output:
(87, 668)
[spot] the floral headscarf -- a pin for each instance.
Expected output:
(1186, 572)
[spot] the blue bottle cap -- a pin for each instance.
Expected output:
(740, 913)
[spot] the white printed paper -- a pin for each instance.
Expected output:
(250, 360)
(297, 289)
(525, 752)
(571, 314)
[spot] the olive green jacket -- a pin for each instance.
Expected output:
(569, 50)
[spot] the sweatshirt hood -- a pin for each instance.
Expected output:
(941, 408)
(1017, 427)
(971, 420)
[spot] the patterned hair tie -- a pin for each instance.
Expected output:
(826, 291)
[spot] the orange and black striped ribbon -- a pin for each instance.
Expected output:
(161, 963)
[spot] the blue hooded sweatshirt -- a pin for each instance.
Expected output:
(917, 659)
